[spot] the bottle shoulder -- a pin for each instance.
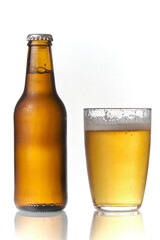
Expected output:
(40, 103)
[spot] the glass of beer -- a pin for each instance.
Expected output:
(117, 144)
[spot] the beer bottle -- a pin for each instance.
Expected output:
(40, 134)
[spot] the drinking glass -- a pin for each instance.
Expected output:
(117, 145)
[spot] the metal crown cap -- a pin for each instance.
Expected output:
(44, 37)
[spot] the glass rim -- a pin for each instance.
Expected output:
(101, 108)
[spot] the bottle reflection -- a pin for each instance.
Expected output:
(41, 226)
(114, 226)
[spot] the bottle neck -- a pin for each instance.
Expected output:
(39, 75)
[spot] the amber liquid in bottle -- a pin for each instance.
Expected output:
(40, 136)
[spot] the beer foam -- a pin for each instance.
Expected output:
(117, 119)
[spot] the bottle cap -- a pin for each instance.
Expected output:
(44, 37)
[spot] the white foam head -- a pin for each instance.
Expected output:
(117, 119)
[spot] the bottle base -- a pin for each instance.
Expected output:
(40, 208)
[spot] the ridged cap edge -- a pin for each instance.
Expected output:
(44, 37)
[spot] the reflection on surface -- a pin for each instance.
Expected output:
(112, 226)
(41, 226)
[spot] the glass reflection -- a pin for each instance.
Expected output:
(117, 226)
(41, 226)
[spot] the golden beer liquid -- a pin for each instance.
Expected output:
(117, 164)
(40, 136)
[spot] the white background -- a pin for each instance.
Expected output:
(106, 53)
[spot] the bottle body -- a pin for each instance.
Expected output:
(40, 145)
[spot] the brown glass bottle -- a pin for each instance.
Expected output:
(40, 134)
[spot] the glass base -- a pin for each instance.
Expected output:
(117, 208)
